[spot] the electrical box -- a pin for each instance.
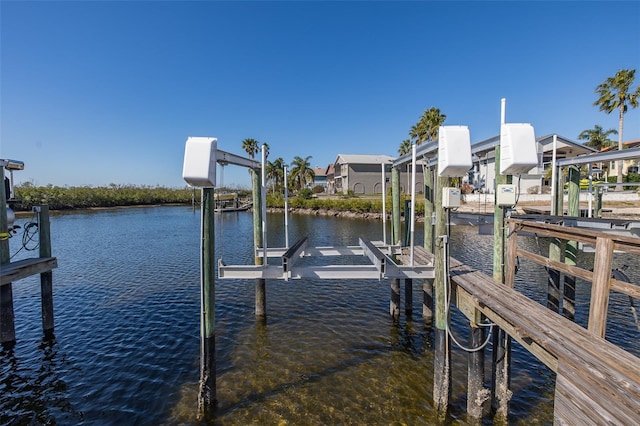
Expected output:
(506, 195)
(518, 151)
(199, 168)
(450, 197)
(454, 151)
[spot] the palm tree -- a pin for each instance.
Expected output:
(426, 129)
(597, 137)
(250, 146)
(405, 147)
(275, 173)
(301, 172)
(616, 93)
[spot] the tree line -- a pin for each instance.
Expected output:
(299, 174)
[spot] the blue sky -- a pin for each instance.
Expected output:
(94, 93)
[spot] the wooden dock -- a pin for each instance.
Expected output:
(13, 271)
(596, 381)
(24, 268)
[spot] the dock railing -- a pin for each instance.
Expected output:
(602, 282)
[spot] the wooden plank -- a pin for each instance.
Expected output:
(552, 332)
(25, 268)
(629, 289)
(600, 287)
(557, 335)
(583, 398)
(554, 264)
(587, 236)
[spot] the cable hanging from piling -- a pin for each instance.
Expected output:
(29, 233)
(447, 302)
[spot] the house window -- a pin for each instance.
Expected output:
(633, 169)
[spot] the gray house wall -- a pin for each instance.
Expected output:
(367, 179)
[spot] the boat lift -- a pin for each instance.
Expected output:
(201, 156)
(380, 255)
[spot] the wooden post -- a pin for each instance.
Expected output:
(501, 353)
(476, 393)
(571, 247)
(512, 253)
(394, 299)
(407, 222)
(7, 318)
(395, 206)
(555, 249)
(428, 209)
(600, 286)
(598, 202)
(261, 294)
(207, 394)
(46, 278)
(442, 356)
(408, 297)
(427, 285)
(553, 288)
(559, 194)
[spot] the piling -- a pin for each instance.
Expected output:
(7, 318)
(476, 393)
(408, 297)
(46, 278)
(427, 285)
(408, 283)
(501, 353)
(395, 206)
(394, 297)
(260, 288)
(598, 201)
(555, 249)
(571, 247)
(207, 393)
(442, 355)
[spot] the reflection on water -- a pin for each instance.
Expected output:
(126, 343)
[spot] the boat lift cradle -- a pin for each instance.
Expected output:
(381, 257)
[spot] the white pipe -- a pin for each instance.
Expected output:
(286, 210)
(384, 206)
(413, 196)
(590, 192)
(553, 175)
(264, 204)
(503, 111)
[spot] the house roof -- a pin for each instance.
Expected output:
(320, 171)
(363, 159)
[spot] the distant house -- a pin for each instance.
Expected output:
(320, 177)
(362, 174)
(628, 166)
(482, 174)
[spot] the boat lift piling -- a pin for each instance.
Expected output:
(199, 170)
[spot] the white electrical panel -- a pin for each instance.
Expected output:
(506, 195)
(518, 151)
(450, 197)
(454, 151)
(199, 168)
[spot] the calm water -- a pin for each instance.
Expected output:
(126, 343)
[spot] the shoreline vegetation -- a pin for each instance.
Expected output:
(118, 196)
